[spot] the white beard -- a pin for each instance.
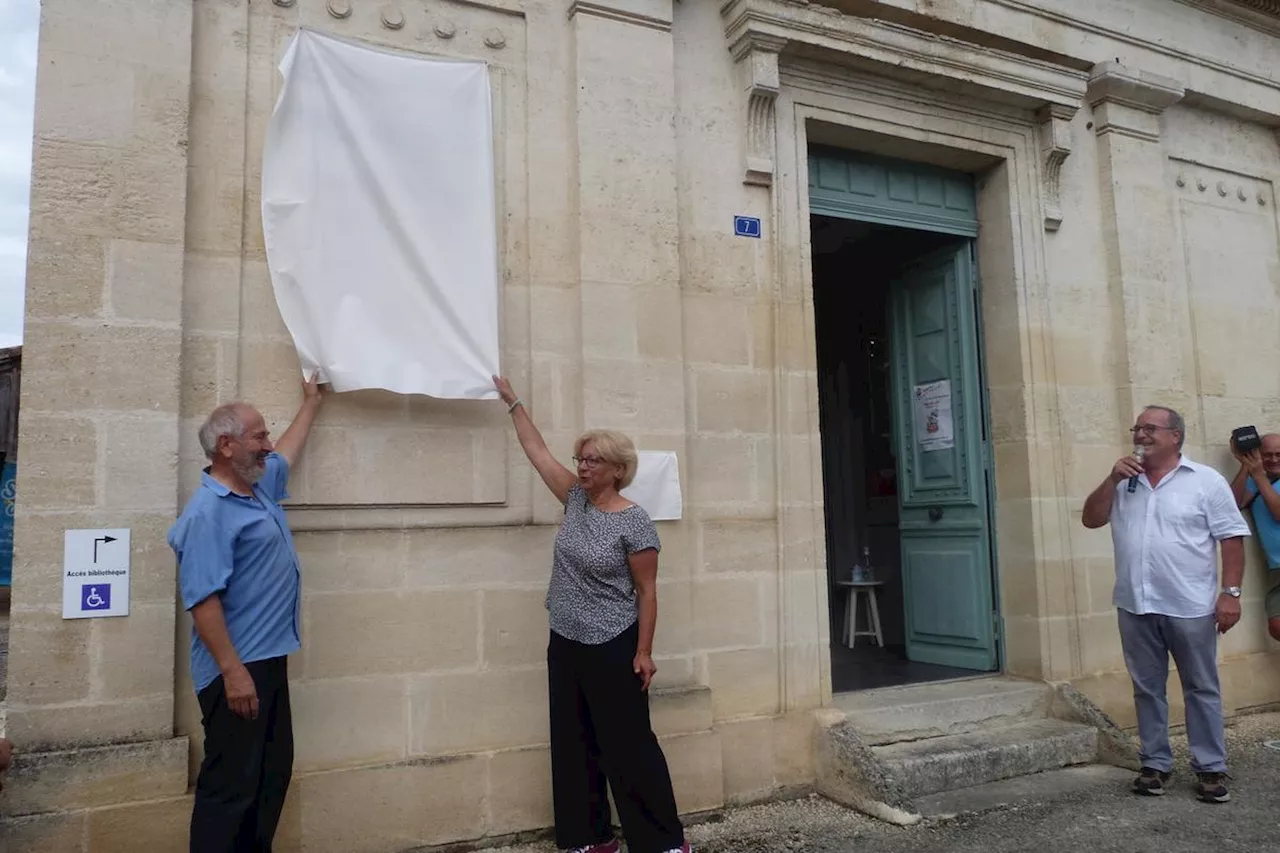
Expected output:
(251, 473)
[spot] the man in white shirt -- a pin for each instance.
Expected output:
(1166, 531)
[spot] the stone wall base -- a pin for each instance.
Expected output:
(1248, 682)
(135, 797)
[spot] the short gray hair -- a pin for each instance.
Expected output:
(1176, 422)
(227, 420)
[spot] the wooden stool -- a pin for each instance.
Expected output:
(854, 590)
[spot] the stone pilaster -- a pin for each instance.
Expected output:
(99, 427)
(628, 264)
(1152, 324)
(632, 349)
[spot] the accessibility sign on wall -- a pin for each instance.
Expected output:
(95, 573)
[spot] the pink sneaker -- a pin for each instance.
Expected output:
(612, 846)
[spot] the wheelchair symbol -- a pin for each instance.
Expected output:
(96, 597)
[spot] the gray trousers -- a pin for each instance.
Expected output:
(1148, 640)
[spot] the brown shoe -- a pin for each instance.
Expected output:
(1213, 788)
(1151, 782)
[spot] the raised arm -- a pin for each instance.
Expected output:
(1249, 462)
(1251, 466)
(558, 478)
(1097, 507)
(1267, 491)
(295, 437)
(1240, 488)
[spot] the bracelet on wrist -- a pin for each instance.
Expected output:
(514, 403)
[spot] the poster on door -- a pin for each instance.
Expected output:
(934, 428)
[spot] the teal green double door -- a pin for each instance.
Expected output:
(939, 411)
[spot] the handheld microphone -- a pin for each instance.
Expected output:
(1133, 481)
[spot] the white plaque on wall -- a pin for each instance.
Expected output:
(656, 487)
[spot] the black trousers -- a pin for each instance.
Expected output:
(247, 765)
(600, 731)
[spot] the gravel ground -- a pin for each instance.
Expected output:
(1097, 820)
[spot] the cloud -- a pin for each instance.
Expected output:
(19, 30)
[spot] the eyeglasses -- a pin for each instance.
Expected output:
(588, 461)
(1147, 429)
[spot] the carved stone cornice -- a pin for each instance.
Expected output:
(1055, 147)
(608, 11)
(1007, 77)
(1264, 7)
(1129, 102)
(759, 31)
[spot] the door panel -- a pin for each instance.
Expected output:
(946, 550)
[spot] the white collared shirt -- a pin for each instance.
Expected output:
(1166, 541)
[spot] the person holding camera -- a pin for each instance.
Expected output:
(1169, 518)
(1254, 488)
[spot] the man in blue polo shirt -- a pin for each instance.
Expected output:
(238, 574)
(1255, 489)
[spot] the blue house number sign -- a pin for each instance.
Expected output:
(746, 226)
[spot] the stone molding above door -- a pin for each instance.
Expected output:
(760, 32)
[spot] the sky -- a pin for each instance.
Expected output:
(19, 25)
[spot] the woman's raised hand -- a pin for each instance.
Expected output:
(504, 390)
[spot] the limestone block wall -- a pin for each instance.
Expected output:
(425, 542)
(1203, 284)
(1167, 228)
(92, 701)
(420, 698)
(628, 134)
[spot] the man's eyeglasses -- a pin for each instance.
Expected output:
(1147, 429)
(588, 461)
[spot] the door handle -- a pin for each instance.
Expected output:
(935, 513)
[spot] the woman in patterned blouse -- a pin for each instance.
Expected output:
(603, 607)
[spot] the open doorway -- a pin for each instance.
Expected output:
(906, 532)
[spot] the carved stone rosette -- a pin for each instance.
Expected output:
(757, 58)
(1055, 146)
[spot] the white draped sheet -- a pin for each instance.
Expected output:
(379, 218)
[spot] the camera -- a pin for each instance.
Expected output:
(1246, 438)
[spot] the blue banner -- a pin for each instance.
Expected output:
(8, 476)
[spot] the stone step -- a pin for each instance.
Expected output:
(1024, 790)
(974, 758)
(922, 711)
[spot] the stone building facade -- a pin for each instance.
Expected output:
(1119, 162)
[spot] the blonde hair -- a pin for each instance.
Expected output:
(614, 448)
